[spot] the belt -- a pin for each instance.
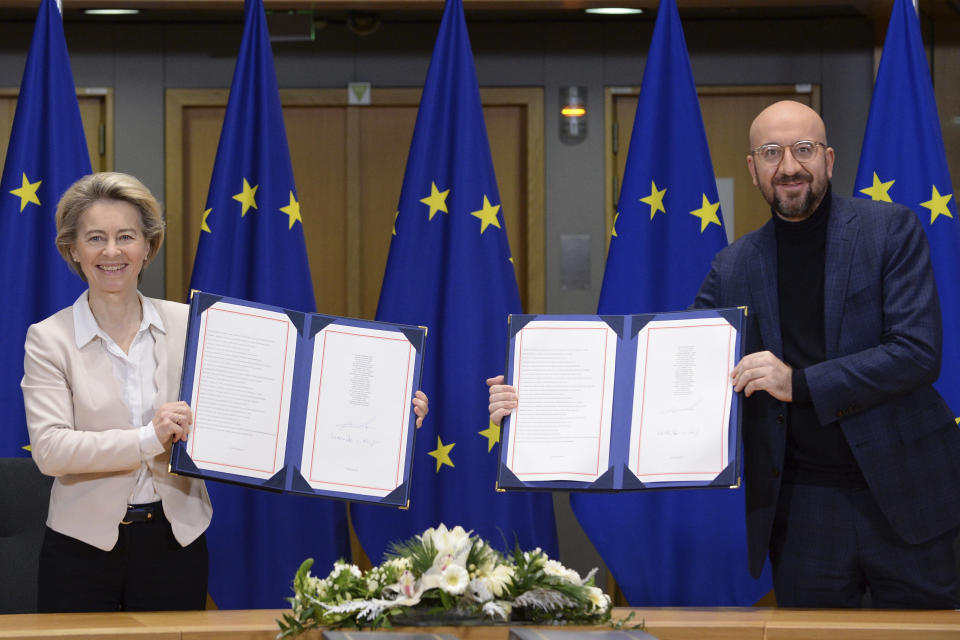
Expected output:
(143, 513)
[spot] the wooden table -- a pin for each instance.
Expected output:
(753, 623)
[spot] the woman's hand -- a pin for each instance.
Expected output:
(421, 406)
(172, 422)
(503, 399)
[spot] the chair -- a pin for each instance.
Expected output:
(24, 496)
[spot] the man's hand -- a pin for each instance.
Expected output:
(763, 371)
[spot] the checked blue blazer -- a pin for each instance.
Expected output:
(883, 336)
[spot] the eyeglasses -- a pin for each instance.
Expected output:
(772, 154)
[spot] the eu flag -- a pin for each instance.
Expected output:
(679, 547)
(47, 153)
(449, 269)
(252, 247)
(903, 160)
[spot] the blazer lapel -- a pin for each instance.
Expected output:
(763, 289)
(167, 381)
(842, 232)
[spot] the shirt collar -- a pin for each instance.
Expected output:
(85, 326)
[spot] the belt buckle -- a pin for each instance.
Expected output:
(145, 514)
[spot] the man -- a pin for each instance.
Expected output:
(852, 459)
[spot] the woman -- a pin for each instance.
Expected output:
(100, 384)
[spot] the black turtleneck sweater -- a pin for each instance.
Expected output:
(816, 454)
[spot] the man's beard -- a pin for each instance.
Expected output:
(800, 210)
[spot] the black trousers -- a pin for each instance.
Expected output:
(147, 570)
(830, 545)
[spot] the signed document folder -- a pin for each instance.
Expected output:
(622, 403)
(299, 402)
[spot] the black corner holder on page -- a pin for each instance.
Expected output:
(319, 323)
(615, 323)
(604, 482)
(297, 318)
(519, 321)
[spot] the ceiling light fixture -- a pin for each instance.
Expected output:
(111, 12)
(614, 11)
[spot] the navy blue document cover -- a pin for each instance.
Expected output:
(561, 634)
(623, 403)
(300, 403)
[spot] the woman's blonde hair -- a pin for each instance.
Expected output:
(90, 189)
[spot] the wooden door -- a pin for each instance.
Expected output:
(348, 163)
(727, 115)
(96, 111)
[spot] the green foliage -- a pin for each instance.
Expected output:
(420, 553)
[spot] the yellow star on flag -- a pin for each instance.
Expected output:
(293, 211)
(492, 434)
(395, 216)
(203, 223)
(878, 190)
(437, 200)
(246, 197)
(613, 232)
(707, 213)
(487, 215)
(442, 453)
(655, 199)
(27, 192)
(938, 204)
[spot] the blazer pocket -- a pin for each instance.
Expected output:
(922, 413)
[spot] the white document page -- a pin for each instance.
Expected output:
(241, 390)
(681, 401)
(563, 372)
(358, 411)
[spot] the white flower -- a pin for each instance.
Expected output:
(443, 560)
(598, 598)
(316, 586)
(498, 579)
(372, 585)
(407, 584)
(535, 558)
(401, 564)
(454, 579)
(454, 541)
(554, 568)
(339, 567)
(407, 589)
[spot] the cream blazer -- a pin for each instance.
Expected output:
(79, 431)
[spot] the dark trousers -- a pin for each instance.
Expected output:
(147, 570)
(830, 545)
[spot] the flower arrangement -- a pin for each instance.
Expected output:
(449, 574)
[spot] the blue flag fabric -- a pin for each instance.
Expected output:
(449, 269)
(47, 153)
(903, 160)
(681, 547)
(252, 247)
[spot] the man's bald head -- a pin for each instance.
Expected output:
(786, 118)
(793, 187)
